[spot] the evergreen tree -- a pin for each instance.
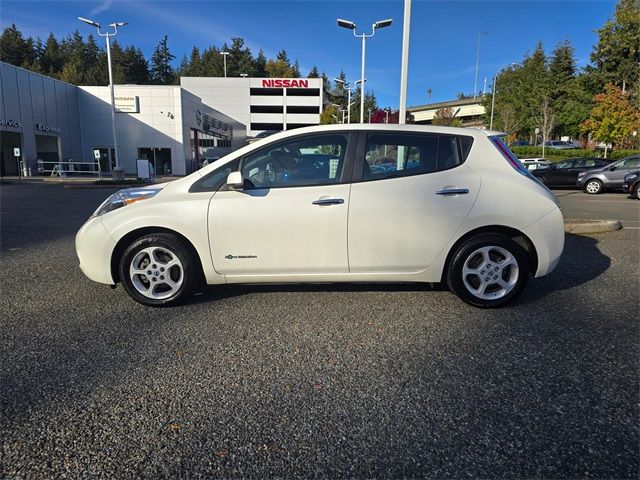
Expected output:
(14, 49)
(313, 73)
(162, 72)
(183, 68)
(212, 62)
(51, 60)
(136, 68)
(282, 55)
(296, 69)
(240, 59)
(117, 63)
(261, 64)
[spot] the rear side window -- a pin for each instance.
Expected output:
(399, 155)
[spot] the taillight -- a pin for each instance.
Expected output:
(509, 156)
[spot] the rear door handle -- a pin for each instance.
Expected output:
(453, 191)
(328, 201)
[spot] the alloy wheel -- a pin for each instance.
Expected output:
(490, 272)
(156, 272)
(593, 186)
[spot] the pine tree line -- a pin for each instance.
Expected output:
(81, 62)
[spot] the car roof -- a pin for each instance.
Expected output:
(386, 127)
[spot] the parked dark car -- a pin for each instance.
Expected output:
(608, 177)
(565, 173)
(520, 143)
(631, 184)
(560, 145)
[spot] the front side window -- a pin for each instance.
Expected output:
(631, 162)
(214, 180)
(304, 161)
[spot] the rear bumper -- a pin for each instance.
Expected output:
(547, 235)
(94, 247)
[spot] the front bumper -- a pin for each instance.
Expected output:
(547, 235)
(94, 247)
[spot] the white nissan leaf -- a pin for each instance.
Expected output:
(345, 203)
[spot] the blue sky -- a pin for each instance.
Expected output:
(443, 33)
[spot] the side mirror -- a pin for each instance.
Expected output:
(235, 181)
(612, 168)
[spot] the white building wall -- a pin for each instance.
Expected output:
(233, 97)
(157, 124)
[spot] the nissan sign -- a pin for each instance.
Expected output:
(285, 82)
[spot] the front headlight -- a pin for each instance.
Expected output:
(125, 197)
(582, 174)
(630, 177)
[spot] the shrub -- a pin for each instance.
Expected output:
(557, 155)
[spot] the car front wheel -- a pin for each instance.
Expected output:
(593, 187)
(158, 270)
(488, 271)
(636, 191)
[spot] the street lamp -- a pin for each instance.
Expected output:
(475, 83)
(493, 93)
(345, 85)
(224, 55)
(352, 26)
(118, 172)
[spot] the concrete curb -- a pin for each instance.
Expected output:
(591, 226)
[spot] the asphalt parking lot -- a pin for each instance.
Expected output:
(356, 381)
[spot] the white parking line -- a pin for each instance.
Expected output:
(610, 201)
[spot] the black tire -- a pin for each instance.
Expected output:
(636, 191)
(593, 186)
(164, 242)
(496, 244)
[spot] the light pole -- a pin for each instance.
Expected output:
(475, 83)
(404, 73)
(346, 85)
(349, 103)
(224, 56)
(118, 172)
(352, 26)
(340, 110)
(493, 94)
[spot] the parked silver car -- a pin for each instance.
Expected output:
(608, 177)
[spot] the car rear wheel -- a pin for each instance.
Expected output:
(593, 187)
(158, 270)
(488, 271)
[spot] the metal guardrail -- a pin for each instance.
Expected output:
(67, 169)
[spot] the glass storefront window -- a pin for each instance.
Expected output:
(107, 158)
(160, 159)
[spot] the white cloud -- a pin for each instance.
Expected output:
(105, 5)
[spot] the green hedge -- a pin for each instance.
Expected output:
(557, 155)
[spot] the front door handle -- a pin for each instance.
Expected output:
(453, 191)
(328, 201)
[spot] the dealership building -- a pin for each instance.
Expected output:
(46, 121)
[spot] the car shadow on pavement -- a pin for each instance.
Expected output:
(581, 262)
(220, 292)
